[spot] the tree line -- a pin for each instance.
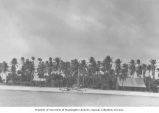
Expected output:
(92, 74)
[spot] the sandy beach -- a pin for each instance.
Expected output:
(83, 91)
(20, 96)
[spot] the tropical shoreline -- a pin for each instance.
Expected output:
(80, 91)
(106, 74)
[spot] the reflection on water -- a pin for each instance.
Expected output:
(27, 98)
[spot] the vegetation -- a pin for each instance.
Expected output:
(75, 73)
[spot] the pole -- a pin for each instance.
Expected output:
(78, 78)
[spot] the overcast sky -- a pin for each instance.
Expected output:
(79, 28)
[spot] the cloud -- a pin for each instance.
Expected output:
(82, 23)
(73, 28)
(11, 42)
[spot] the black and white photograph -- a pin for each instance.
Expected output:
(79, 53)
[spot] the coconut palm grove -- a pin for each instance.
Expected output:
(56, 72)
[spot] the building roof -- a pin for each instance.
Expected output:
(131, 82)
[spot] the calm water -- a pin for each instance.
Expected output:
(27, 98)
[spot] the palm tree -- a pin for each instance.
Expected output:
(75, 70)
(139, 68)
(107, 65)
(67, 72)
(22, 71)
(98, 67)
(124, 71)
(149, 69)
(117, 67)
(32, 67)
(83, 70)
(22, 60)
(158, 71)
(27, 70)
(40, 68)
(66, 67)
(144, 68)
(14, 63)
(153, 67)
(40, 60)
(92, 68)
(132, 68)
(33, 59)
(46, 66)
(124, 74)
(4, 67)
(138, 61)
(57, 65)
(50, 59)
(13, 68)
(50, 66)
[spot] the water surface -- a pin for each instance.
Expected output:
(28, 98)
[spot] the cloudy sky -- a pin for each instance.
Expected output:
(79, 28)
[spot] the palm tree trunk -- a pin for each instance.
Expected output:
(78, 81)
(83, 81)
(93, 80)
(122, 83)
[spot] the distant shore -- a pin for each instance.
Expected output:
(80, 91)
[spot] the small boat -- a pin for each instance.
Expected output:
(65, 89)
